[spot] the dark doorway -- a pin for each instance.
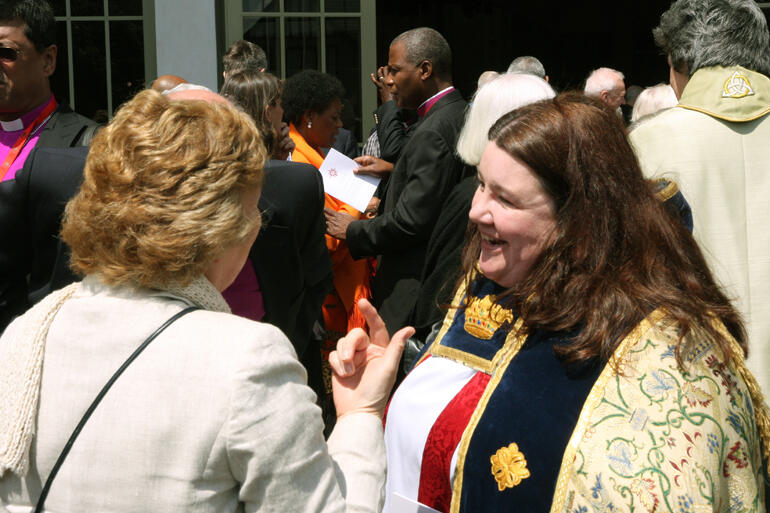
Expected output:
(570, 38)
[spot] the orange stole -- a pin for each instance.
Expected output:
(351, 277)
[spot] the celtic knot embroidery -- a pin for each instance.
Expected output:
(737, 86)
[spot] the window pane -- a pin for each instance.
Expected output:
(301, 6)
(90, 69)
(260, 5)
(342, 5)
(59, 9)
(125, 7)
(343, 60)
(87, 7)
(60, 83)
(303, 44)
(126, 60)
(264, 32)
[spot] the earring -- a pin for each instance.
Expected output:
(309, 124)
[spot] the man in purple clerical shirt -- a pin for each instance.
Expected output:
(29, 113)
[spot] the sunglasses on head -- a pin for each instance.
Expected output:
(8, 54)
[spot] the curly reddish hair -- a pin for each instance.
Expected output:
(162, 191)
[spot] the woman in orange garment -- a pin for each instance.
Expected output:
(312, 103)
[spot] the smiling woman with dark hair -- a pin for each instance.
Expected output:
(589, 362)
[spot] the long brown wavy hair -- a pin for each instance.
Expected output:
(254, 91)
(616, 253)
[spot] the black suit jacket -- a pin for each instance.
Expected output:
(31, 207)
(66, 129)
(425, 173)
(443, 260)
(289, 256)
(391, 132)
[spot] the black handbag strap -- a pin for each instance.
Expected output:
(97, 400)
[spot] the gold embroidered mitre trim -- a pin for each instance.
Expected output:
(483, 317)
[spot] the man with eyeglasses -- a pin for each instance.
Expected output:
(606, 84)
(29, 113)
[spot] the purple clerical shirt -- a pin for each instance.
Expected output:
(10, 132)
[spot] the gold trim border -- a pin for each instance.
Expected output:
(513, 343)
(458, 355)
(592, 402)
(723, 117)
(668, 192)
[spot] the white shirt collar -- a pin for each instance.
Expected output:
(437, 94)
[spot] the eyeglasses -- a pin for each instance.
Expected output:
(8, 54)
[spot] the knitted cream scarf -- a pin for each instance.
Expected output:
(21, 367)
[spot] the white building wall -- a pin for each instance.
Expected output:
(185, 39)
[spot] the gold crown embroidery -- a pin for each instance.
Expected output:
(509, 467)
(737, 86)
(483, 317)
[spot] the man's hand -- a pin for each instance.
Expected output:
(337, 222)
(283, 145)
(380, 81)
(371, 208)
(373, 166)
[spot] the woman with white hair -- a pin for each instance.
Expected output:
(505, 93)
(653, 100)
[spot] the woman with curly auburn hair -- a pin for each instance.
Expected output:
(214, 415)
(589, 361)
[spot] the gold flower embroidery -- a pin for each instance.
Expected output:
(509, 467)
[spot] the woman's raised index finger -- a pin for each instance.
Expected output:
(378, 333)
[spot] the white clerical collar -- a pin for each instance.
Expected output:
(437, 94)
(12, 126)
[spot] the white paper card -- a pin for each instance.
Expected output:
(340, 182)
(400, 504)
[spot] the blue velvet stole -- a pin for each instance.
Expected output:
(535, 405)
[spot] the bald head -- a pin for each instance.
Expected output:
(197, 94)
(607, 85)
(487, 76)
(166, 82)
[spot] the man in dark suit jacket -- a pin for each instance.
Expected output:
(291, 261)
(31, 207)
(420, 78)
(289, 256)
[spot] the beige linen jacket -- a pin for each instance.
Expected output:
(214, 416)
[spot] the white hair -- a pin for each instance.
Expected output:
(602, 79)
(507, 92)
(528, 65)
(652, 100)
(185, 87)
